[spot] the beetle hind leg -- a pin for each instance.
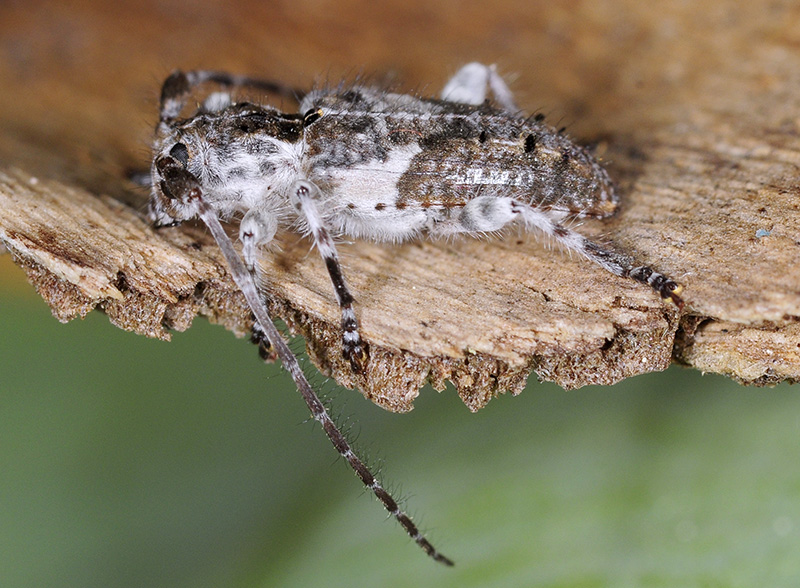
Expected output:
(485, 214)
(613, 261)
(471, 83)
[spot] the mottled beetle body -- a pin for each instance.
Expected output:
(362, 162)
(393, 174)
(385, 172)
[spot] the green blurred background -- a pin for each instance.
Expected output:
(131, 462)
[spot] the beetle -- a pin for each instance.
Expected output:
(363, 162)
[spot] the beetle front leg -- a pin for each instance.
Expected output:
(304, 194)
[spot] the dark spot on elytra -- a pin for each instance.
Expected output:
(350, 205)
(456, 128)
(401, 205)
(538, 117)
(361, 124)
(380, 206)
(530, 143)
(482, 137)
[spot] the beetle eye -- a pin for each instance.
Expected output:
(180, 152)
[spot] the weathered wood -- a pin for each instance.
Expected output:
(695, 110)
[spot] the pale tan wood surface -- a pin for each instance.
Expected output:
(696, 111)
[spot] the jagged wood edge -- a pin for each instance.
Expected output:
(152, 305)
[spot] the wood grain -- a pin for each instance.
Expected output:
(694, 109)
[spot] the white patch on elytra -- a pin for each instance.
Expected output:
(366, 195)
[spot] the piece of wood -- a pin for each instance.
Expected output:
(695, 111)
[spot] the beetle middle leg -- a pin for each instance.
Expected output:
(257, 228)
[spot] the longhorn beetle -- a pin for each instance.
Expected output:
(366, 163)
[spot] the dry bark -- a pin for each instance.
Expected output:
(694, 109)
